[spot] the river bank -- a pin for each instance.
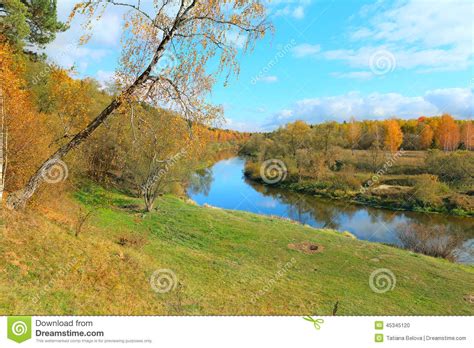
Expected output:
(224, 185)
(379, 195)
(223, 262)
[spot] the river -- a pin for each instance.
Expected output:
(224, 185)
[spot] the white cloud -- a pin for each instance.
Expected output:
(66, 52)
(359, 75)
(304, 50)
(288, 8)
(107, 30)
(242, 126)
(423, 59)
(456, 101)
(421, 35)
(298, 12)
(433, 23)
(268, 79)
(104, 77)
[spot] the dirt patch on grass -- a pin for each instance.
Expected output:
(469, 298)
(132, 240)
(306, 247)
(131, 207)
(390, 190)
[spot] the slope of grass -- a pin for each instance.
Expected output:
(226, 262)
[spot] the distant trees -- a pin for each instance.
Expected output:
(220, 135)
(375, 149)
(315, 152)
(419, 134)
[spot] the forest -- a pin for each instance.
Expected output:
(424, 164)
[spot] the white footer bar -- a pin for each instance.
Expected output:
(237, 331)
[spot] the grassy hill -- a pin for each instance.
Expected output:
(226, 262)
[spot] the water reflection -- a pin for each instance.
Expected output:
(224, 186)
(200, 181)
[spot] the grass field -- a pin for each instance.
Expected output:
(225, 262)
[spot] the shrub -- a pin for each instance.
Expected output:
(454, 167)
(427, 190)
(253, 146)
(252, 170)
(460, 202)
(345, 180)
(432, 240)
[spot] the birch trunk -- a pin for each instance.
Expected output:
(3, 149)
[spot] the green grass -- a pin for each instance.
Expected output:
(221, 259)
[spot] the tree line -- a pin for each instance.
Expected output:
(441, 132)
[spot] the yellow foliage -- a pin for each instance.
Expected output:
(27, 134)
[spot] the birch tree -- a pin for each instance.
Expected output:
(191, 34)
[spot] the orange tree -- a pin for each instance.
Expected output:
(26, 134)
(393, 135)
(447, 134)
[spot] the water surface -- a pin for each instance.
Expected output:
(224, 185)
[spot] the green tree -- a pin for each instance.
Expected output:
(29, 21)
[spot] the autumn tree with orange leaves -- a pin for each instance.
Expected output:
(25, 132)
(393, 135)
(425, 136)
(447, 134)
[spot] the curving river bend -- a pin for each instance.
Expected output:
(224, 185)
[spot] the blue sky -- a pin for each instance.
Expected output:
(327, 60)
